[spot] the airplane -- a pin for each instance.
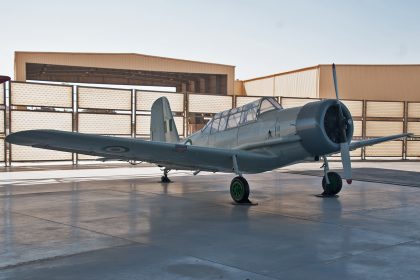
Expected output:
(253, 138)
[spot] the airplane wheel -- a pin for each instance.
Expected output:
(239, 190)
(165, 179)
(335, 185)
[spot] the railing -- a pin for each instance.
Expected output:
(126, 113)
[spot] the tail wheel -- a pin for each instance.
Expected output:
(239, 190)
(335, 185)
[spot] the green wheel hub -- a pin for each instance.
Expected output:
(237, 190)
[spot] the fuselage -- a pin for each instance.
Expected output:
(273, 132)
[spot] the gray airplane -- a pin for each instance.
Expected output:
(257, 137)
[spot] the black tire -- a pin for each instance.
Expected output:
(239, 190)
(335, 185)
(165, 179)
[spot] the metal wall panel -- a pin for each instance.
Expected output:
(413, 148)
(260, 87)
(383, 128)
(107, 124)
(1, 149)
(101, 98)
(145, 100)
(209, 103)
(297, 84)
(295, 102)
(356, 154)
(355, 107)
(143, 125)
(24, 153)
(414, 127)
(386, 149)
(25, 120)
(2, 94)
(242, 100)
(41, 95)
(2, 116)
(385, 109)
(413, 110)
(358, 128)
(372, 82)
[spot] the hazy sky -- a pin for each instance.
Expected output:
(258, 36)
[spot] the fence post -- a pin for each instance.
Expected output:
(75, 119)
(133, 113)
(364, 114)
(6, 120)
(186, 114)
(405, 127)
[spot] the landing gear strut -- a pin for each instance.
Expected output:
(331, 182)
(164, 178)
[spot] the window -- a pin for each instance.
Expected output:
(206, 129)
(234, 119)
(249, 112)
(215, 126)
(266, 106)
(222, 125)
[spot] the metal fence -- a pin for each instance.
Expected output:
(126, 113)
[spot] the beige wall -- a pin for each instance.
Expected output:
(301, 83)
(372, 82)
(122, 61)
(359, 82)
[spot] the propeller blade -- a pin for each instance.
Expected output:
(345, 160)
(342, 123)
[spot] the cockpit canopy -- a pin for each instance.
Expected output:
(241, 115)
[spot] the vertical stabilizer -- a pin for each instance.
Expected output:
(162, 125)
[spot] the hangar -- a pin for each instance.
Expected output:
(125, 69)
(357, 82)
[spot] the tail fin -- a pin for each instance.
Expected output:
(162, 125)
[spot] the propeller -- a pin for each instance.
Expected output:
(344, 144)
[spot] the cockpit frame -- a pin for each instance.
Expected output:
(242, 115)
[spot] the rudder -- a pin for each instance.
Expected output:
(162, 125)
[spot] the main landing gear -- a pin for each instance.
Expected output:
(164, 178)
(331, 182)
(239, 187)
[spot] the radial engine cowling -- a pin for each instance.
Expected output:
(318, 125)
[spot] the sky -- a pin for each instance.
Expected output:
(259, 37)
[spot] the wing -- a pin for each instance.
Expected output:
(162, 153)
(363, 143)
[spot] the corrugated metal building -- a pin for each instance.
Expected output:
(360, 82)
(126, 69)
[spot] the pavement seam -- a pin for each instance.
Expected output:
(369, 251)
(78, 227)
(10, 266)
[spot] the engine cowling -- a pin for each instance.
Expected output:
(318, 126)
